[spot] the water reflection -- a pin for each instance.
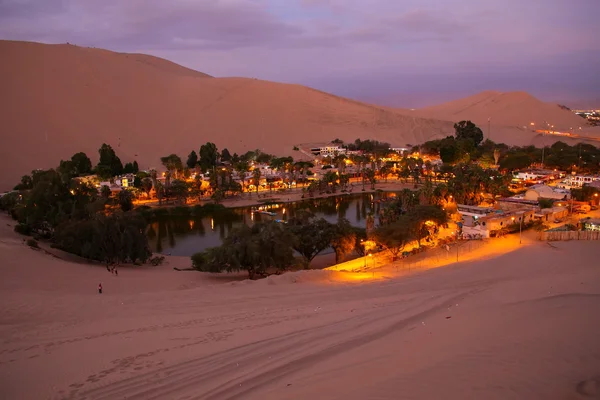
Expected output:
(184, 236)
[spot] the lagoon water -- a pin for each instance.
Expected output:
(184, 236)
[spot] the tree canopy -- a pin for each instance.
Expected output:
(110, 164)
(192, 160)
(467, 130)
(313, 235)
(256, 249)
(208, 155)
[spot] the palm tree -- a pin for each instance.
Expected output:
(384, 171)
(256, 175)
(241, 168)
(370, 174)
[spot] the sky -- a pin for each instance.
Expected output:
(405, 53)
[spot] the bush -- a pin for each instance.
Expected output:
(198, 260)
(9, 201)
(111, 239)
(156, 260)
(23, 229)
(32, 243)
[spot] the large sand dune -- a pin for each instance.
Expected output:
(520, 325)
(60, 99)
(56, 100)
(516, 109)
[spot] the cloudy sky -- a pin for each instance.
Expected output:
(399, 52)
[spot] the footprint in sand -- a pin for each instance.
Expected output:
(589, 388)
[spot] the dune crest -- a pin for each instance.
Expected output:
(506, 108)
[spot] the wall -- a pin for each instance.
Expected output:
(570, 235)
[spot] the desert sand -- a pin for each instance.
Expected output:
(60, 99)
(509, 111)
(521, 323)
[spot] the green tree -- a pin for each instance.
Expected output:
(343, 239)
(67, 170)
(467, 130)
(395, 236)
(449, 151)
(173, 164)
(25, 184)
(313, 235)
(242, 167)
(128, 168)
(136, 167)
(125, 200)
(146, 186)
(370, 174)
(256, 249)
(424, 219)
(109, 165)
(116, 238)
(225, 155)
(82, 163)
(105, 192)
(180, 190)
(208, 156)
(256, 175)
(192, 160)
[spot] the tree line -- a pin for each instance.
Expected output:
(54, 204)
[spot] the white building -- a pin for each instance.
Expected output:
(580, 180)
(400, 150)
(537, 175)
(330, 150)
(537, 192)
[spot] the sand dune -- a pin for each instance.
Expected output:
(59, 99)
(507, 109)
(521, 325)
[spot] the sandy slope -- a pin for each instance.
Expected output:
(56, 100)
(59, 99)
(506, 109)
(523, 325)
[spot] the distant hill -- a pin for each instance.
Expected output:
(60, 99)
(507, 109)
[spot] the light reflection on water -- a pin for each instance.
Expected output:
(184, 236)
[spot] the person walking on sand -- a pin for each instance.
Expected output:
(99, 288)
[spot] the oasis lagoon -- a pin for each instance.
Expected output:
(184, 236)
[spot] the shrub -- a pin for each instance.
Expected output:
(32, 243)
(198, 260)
(111, 239)
(23, 229)
(156, 260)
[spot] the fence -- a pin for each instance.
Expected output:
(570, 235)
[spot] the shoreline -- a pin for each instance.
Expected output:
(295, 195)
